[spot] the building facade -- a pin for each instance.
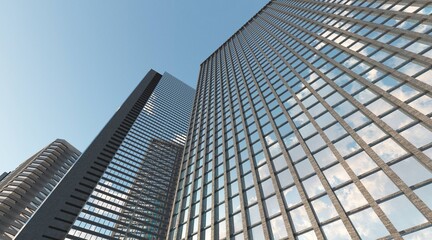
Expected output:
(153, 192)
(3, 175)
(23, 190)
(313, 121)
(123, 185)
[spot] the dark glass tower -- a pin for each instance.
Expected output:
(313, 121)
(122, 187)
(23, 190)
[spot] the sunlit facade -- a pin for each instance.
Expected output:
(123, 185)
(313, 121)
(23, 190)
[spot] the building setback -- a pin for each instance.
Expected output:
(123, 185)
(23, 190)
(313, 121)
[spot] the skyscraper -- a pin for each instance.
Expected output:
(313, 121)
(123, 185)
(23, 190)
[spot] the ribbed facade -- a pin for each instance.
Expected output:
(123, 185)
(23, 190)
(313, 121)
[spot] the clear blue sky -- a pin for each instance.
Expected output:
(66, 66)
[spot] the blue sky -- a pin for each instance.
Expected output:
(66, 66)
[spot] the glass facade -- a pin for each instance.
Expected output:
(133, 198)
(313, 121)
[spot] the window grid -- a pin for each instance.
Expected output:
(297, 110)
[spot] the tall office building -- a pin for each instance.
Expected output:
(23, 190)
(313, 121)
(123, 185)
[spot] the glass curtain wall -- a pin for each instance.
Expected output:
(313, 121)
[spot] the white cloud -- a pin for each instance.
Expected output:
(300, 218)
(346, 146)
(371, 133)
(290, 140)
(308, 236)
(313, 186)
(418, 135)
(420, 235)
(388, 150)
(397, 119)
(336, 175)
(368, 224)
(324, 208)
(351, 197)
(379, 185)
(269, 139)
(361, 163)
(278, 228)
(379, 106)
(336, 231)
(426, 77)
(263, 171)
(372, 74)
(423, 104)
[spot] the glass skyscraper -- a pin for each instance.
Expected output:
(123, 185)
(313, 121)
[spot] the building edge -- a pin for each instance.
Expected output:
(55, 217)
